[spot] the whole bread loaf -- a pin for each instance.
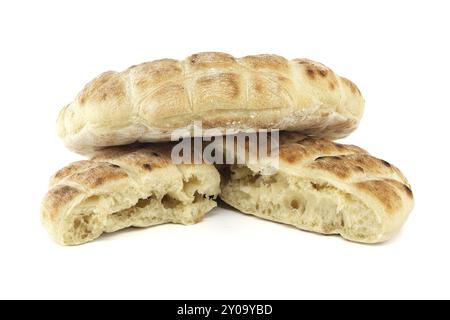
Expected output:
(148, 102)
(322, 186)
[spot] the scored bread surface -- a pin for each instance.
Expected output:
(149, 101)
(324, 187)
(126, 186)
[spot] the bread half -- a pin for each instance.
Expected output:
(324, 187)
(151, 101)
(133, 186)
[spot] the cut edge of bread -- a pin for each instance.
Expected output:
(309, 203)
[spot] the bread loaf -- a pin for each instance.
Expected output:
(126, 186)
(324, 187)
(148, 102)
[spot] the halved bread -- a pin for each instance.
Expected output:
(126, 186)
(324, 187)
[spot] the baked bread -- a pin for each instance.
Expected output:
(126, 186)
(324, 187)
(148, 102)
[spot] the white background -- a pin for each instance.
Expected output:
(395, 51)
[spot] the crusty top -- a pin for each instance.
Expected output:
(147, 102)
(106, 166)
(350, 164)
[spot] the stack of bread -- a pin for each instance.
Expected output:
(124, 123)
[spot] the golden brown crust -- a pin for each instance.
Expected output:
(352, 86)
(141, 157)
(57, 198)
(69, 170)
(296, 148)
(267, 62)
(206, 60)
(97, 174)
(346, 165)
(103, 168)
(147, 102)
(345, 162)
(223, 88)
(384, 192)
(108, 85)
(149, 74)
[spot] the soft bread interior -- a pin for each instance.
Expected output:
(306, 203)
(184, 203)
